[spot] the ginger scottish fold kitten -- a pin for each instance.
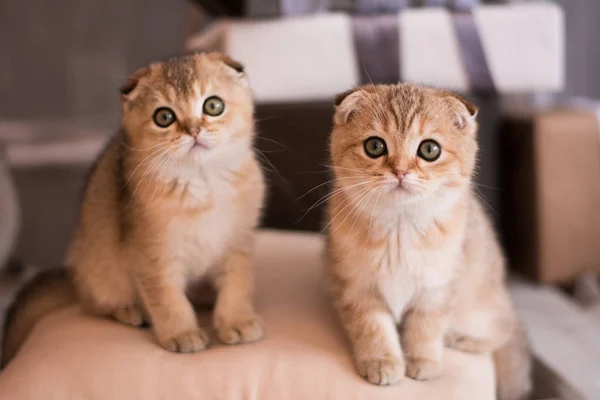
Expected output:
(174, 200)
(413, 261)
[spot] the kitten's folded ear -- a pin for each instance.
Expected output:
(467, 111)
(230, 62)
(346, 105)
(129, 86)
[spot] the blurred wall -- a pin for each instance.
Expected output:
(583, 46)
(63, 58)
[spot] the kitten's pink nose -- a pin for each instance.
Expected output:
(400, 175)
(195, 130)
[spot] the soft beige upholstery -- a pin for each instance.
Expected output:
(304, 356)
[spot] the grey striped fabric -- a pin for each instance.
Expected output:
(377, 45)
(472, 52)
(274, 8)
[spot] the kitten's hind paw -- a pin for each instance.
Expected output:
(381, 371)
(129, 315)
(186, 342)
(466, 343)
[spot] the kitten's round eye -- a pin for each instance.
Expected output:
(164, 117)
(429, 150)
(213, 106)
(375, 147)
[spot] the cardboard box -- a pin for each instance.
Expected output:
(551, 176)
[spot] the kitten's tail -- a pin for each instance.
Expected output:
(46, 292)
(513, 363)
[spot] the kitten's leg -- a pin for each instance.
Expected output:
(234, 316)
(483, 324)
(173, 317)
(374, 336)
(130, 315)
(112, 295)
(423, 329)
(121, 311)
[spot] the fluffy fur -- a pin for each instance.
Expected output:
(46, 292)
(414, 264)
(167, 207)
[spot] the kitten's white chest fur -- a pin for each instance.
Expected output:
(407, 272)
(202, 240)
(209, 234)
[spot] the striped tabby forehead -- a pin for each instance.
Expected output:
(189, 79)
(181, 75)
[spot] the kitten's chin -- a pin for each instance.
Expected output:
(198, 148)
(409, 195)
(402, 196)
(431, 194)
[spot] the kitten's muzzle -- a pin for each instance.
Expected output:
(199, 141)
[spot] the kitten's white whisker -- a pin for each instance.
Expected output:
(154, 168)
(373, 211)
(335, 192)
(329, 181)
(165, 166)
(350, 202)
(147, 148)
(354, 202)
(344, 168)
(327, 197)
(364, 203)
(351, 197)
(486, 203)
(366, 72)
(488, 187)
(154, 162)
(275, 142)
(266, 159)
(141, 162)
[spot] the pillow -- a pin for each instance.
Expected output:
(303, 356)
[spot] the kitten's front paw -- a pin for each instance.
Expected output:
(381, 371)
(422, 368)
(243, 330)
(130, 315)
(186, 342)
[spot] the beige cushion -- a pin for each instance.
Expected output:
(304, 356)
